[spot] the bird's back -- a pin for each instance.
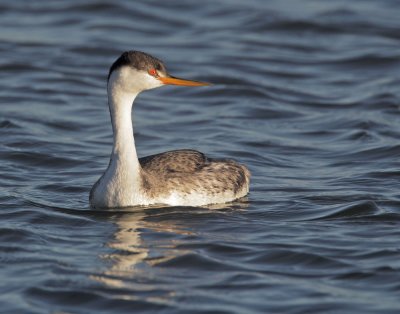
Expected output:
(184, 160)
(190, 175)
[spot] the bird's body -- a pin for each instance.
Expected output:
(177, 178)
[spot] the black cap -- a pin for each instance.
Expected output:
(138, 60)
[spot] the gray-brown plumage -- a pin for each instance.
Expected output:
(189, 170)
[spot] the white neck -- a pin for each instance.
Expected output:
(120, 103)
(121, 184)
(123, 87)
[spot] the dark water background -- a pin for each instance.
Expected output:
(307, 94)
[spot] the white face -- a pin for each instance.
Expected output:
(131, 80)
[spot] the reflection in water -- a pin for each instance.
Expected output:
(129, 250)
(132, 253)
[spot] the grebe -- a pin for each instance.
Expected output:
(176, 178)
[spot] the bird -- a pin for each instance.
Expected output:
(183, 177)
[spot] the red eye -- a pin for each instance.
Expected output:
(153, 72)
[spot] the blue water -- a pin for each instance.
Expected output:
(306, 94)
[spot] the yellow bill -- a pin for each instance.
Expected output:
(178, 81)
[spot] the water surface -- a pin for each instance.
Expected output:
(306, 93)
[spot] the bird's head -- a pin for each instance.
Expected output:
(136, 71)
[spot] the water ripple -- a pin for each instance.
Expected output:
(305, 94)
